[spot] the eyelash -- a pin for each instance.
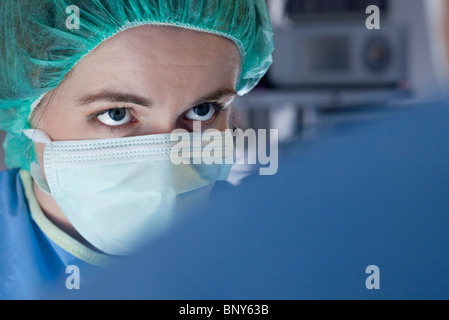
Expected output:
(99, 113)
(217, 106)
(93, 117)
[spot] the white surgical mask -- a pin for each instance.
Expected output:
(118, 192)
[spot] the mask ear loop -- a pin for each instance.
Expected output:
(38, 136)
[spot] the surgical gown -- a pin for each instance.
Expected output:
(35, 254)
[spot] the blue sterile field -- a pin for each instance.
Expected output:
(361, 215)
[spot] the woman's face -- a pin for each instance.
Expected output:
(146, 80)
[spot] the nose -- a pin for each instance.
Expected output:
(162, 126)
(159, 122)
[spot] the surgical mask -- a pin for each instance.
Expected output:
(118, 193)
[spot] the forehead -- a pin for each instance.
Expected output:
(170, 54)
(153, 39)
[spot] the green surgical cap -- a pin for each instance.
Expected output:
(38, 46)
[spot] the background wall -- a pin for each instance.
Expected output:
(412, 14)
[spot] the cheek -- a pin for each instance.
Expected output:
(52, 124)
(58, 119)
(222, 122)
(64, 124)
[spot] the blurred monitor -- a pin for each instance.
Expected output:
(326, 44)
(299, 10)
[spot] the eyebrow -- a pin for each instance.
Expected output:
(122, 97)
(217, 95)
(114, 96)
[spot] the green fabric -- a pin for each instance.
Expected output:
(37, 49)
(58, 236)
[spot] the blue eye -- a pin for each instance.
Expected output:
(202, 112)
(115, 117)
